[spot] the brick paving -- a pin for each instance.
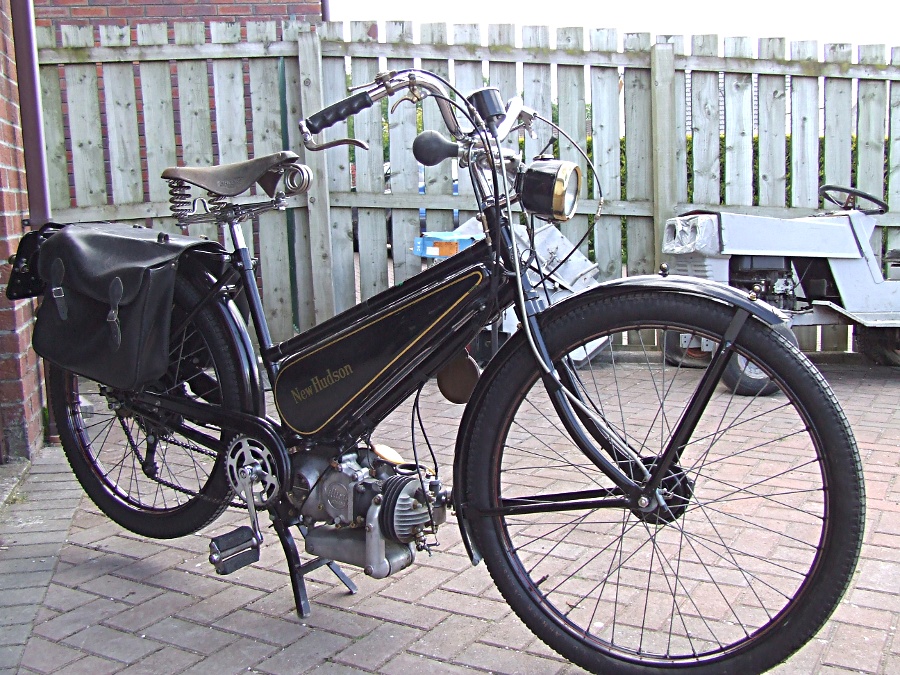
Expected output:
(79, 594)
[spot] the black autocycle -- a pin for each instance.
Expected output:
(639, 516)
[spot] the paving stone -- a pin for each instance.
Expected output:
(202, 639)
(415, 615)
(239, 656)
(44, 656)
(93, 665)
(10, 656)
(451, 637)
(10, 597)
(856, 647)
(480, 608)
(266, 628)
(413, 663)
(165, 660)
(113, 644)
(150, 612)
(20, 614)
(211, 609)
(507, 661)
(305, 654)
(123, 590)
(15, 634)
(350, 624)
(377, 647)
(69, 623)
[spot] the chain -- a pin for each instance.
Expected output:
(169, 484)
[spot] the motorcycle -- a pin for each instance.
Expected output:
(820, 270)
(636, 515)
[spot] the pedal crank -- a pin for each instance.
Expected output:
(236, 549)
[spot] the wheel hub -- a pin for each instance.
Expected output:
(671, 499)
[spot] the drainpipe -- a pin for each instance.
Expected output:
(32, 121)
(326, 10)
(30, 112)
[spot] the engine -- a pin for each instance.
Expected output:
(366, 508)
(771, 277)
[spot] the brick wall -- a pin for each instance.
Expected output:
(131, 11)
(20, 377)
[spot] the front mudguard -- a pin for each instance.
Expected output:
(677, 285)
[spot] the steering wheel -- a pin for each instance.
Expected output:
(830, 193)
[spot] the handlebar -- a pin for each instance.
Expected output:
(420, 85)
(338, 112)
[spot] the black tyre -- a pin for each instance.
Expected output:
(183, 487)
(745, 378)
(764, 509)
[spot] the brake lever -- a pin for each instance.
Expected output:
(310, 144)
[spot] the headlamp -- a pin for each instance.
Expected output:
(549, 188)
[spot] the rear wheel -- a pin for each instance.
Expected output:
(756, 528)
(145, 474)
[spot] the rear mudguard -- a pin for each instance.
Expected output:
(677, 285)
(252, 392)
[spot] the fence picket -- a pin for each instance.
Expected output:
(681, 183)
(571, 97)
(404, 168)
(121, 121)
(705, 123)
(871, 132)
(772, 116)
(230, 107)
(334, 72)
(367, 127)
(537, 93)
(194, 111)
(159, 116)
(838, 149)
(468, 77)
(738, 128)
(298, 218)
(502, 74)
(893, 193)
(607, 147)
(274, 251)
(87, 142)
(438, 179)
(805, 151)
(638, 154)
(322, 288)
(54, 127)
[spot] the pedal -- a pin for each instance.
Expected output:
(233, 550)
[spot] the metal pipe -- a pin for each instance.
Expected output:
(30, 112)
(326, 10)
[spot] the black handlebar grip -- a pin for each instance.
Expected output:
(338, 112)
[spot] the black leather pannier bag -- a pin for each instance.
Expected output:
(107, 308)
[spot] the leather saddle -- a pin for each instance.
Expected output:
(230, 180)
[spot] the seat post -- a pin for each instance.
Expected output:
(245, 268)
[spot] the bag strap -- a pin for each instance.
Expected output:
(116, 291)
(57, 272)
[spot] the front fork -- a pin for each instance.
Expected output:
(587, 426)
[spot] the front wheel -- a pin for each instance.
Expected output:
(763, 515)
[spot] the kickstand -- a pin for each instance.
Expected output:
(299, 569)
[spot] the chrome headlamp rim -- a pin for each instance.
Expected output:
(549, 188)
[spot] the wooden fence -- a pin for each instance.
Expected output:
(701, 130)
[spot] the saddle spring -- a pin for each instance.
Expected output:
(184, 207)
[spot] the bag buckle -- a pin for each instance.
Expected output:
(57, 272)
